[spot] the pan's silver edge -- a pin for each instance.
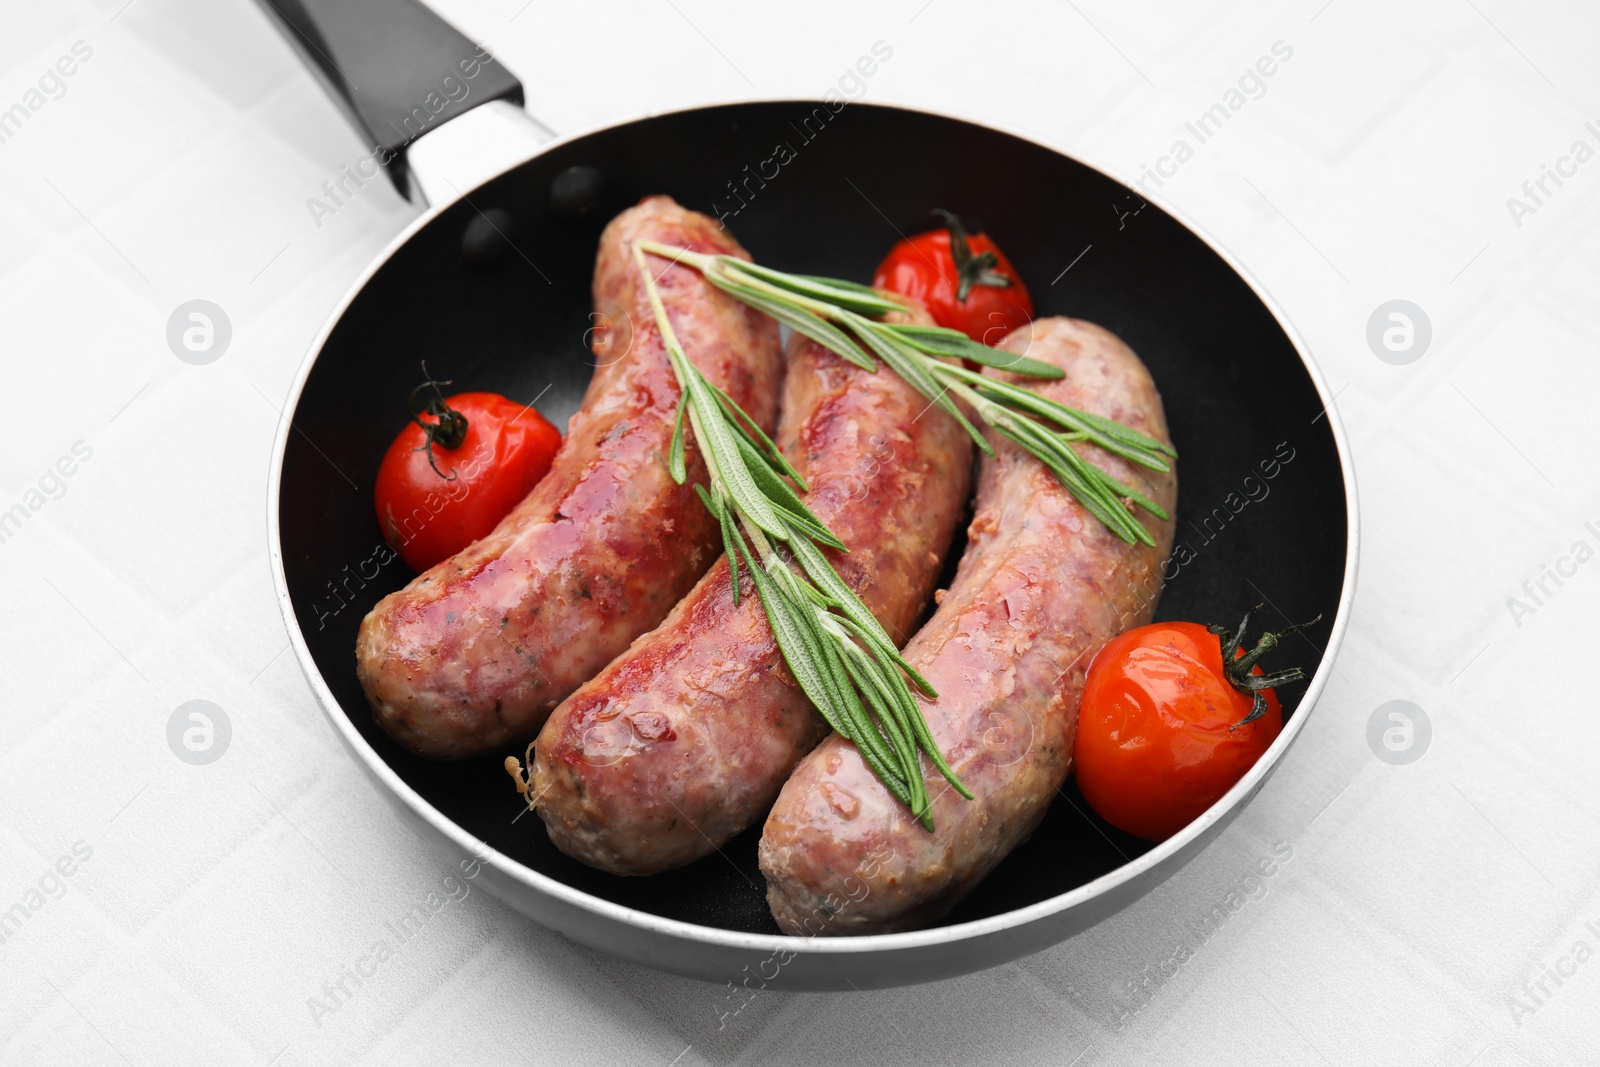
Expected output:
(711, 936)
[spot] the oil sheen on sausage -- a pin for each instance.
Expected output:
(684, 740)
(474, 653)
(1041, 586)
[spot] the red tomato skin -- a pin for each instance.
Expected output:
(923, 267)
(1153, 748)
(427, 518)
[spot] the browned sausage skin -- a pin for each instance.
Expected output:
(1041, 586)
(475, 652)
(684, 740)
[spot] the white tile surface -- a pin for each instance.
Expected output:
(1418, 900)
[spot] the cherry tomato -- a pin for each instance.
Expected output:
(456, 470)
(966, 282)
(1164, 730)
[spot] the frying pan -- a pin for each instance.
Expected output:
(491, 284)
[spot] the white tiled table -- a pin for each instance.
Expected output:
(208, 905)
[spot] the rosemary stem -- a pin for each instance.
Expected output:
(955, 370)
(836, 650)
(820, 308)
(757, 537)
(698, 260)
(684, 371)
(987, 409)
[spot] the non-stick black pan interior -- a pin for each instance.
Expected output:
(809, 190)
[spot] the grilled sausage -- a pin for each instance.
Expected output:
(684, 740)
(1041, 586)
(475, 652)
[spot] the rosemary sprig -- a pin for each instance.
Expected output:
(844, 317)
(837, 651)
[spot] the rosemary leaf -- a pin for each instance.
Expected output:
(1102, 431)
(781, 497)
(879, 646)
(908, 364)
(867, 683)
(810, 530)
(730, 539)
(847, 286)
(817, 597)
(847, 715)
(795, 642)
(863, 671)
(866, 731)
(852, 610)
(1086, 482)
(861, 299)
(717, 438)
(912, 720)
(756, 435)
(797, 319)
(675, 461)
(939, 341)
(1134, 495)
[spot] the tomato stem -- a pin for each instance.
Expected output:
(448, 433)
(1238, 668)
(970, 269)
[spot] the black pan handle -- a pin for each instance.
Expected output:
(399, 69)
